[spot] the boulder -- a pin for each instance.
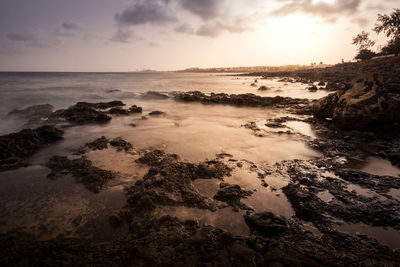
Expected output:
(366, 105)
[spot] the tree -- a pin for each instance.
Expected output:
(392, 47)
(364, 44)
(362, 41)
(365, 54)
(390, 25)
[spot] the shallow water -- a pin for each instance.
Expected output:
(48, 208)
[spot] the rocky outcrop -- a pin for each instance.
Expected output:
(16, 147)
(169, 182)
(366, 105)
(82, 170)
(249, 100)
(232, 194)
(83, 112)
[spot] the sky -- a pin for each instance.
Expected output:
(132, 35)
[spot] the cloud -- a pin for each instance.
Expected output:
(216, 28)
(363, 22)
(184, 28)
(21, 37)
(70, 26)
(31, 40)
(329, 11)
(123, 36)
(150, 11)
(206, 9)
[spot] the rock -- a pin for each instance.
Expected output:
(98, 144)
(394, 159)
(156, 113)
(16, 147)
(267, 224)
(367, 105)
(231, 194)
(121, 111)
(321, 83)
(154, 95)
(250, 100)
(169, 182)
(82, 170)
(312, 88)
(120, 144)
(135, 109)
(82, 113)
(263, 88)
(253, 84)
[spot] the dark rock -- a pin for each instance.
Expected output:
(367, 105)
(232, 194)
(82, 170)
(321, 83)
(83, 113)
(267, 224)
(156, 113)
(121, 111)
(169, 182)
(263, 88)
(238, 100)
(16, 147)
(120, 144)
(312, 88)
(98, 144)
(135, 109)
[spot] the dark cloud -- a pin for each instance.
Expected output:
(122, 36)
(70, 26)
(21, 37)
(151, 11)
(328, 11)
(206, 9)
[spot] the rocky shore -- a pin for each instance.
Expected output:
(358, 120)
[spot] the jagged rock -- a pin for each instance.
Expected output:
(16, 147)
(82, 170)
(267, 224)
(312, 88)
(367, 105)
(238, 100)
(120, 144)
(98, 144)
(169, 182)
(232, 194)
(82, 113)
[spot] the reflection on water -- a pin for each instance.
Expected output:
(387, 236)
(379, 166)
(225, 218)
(47, 209)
